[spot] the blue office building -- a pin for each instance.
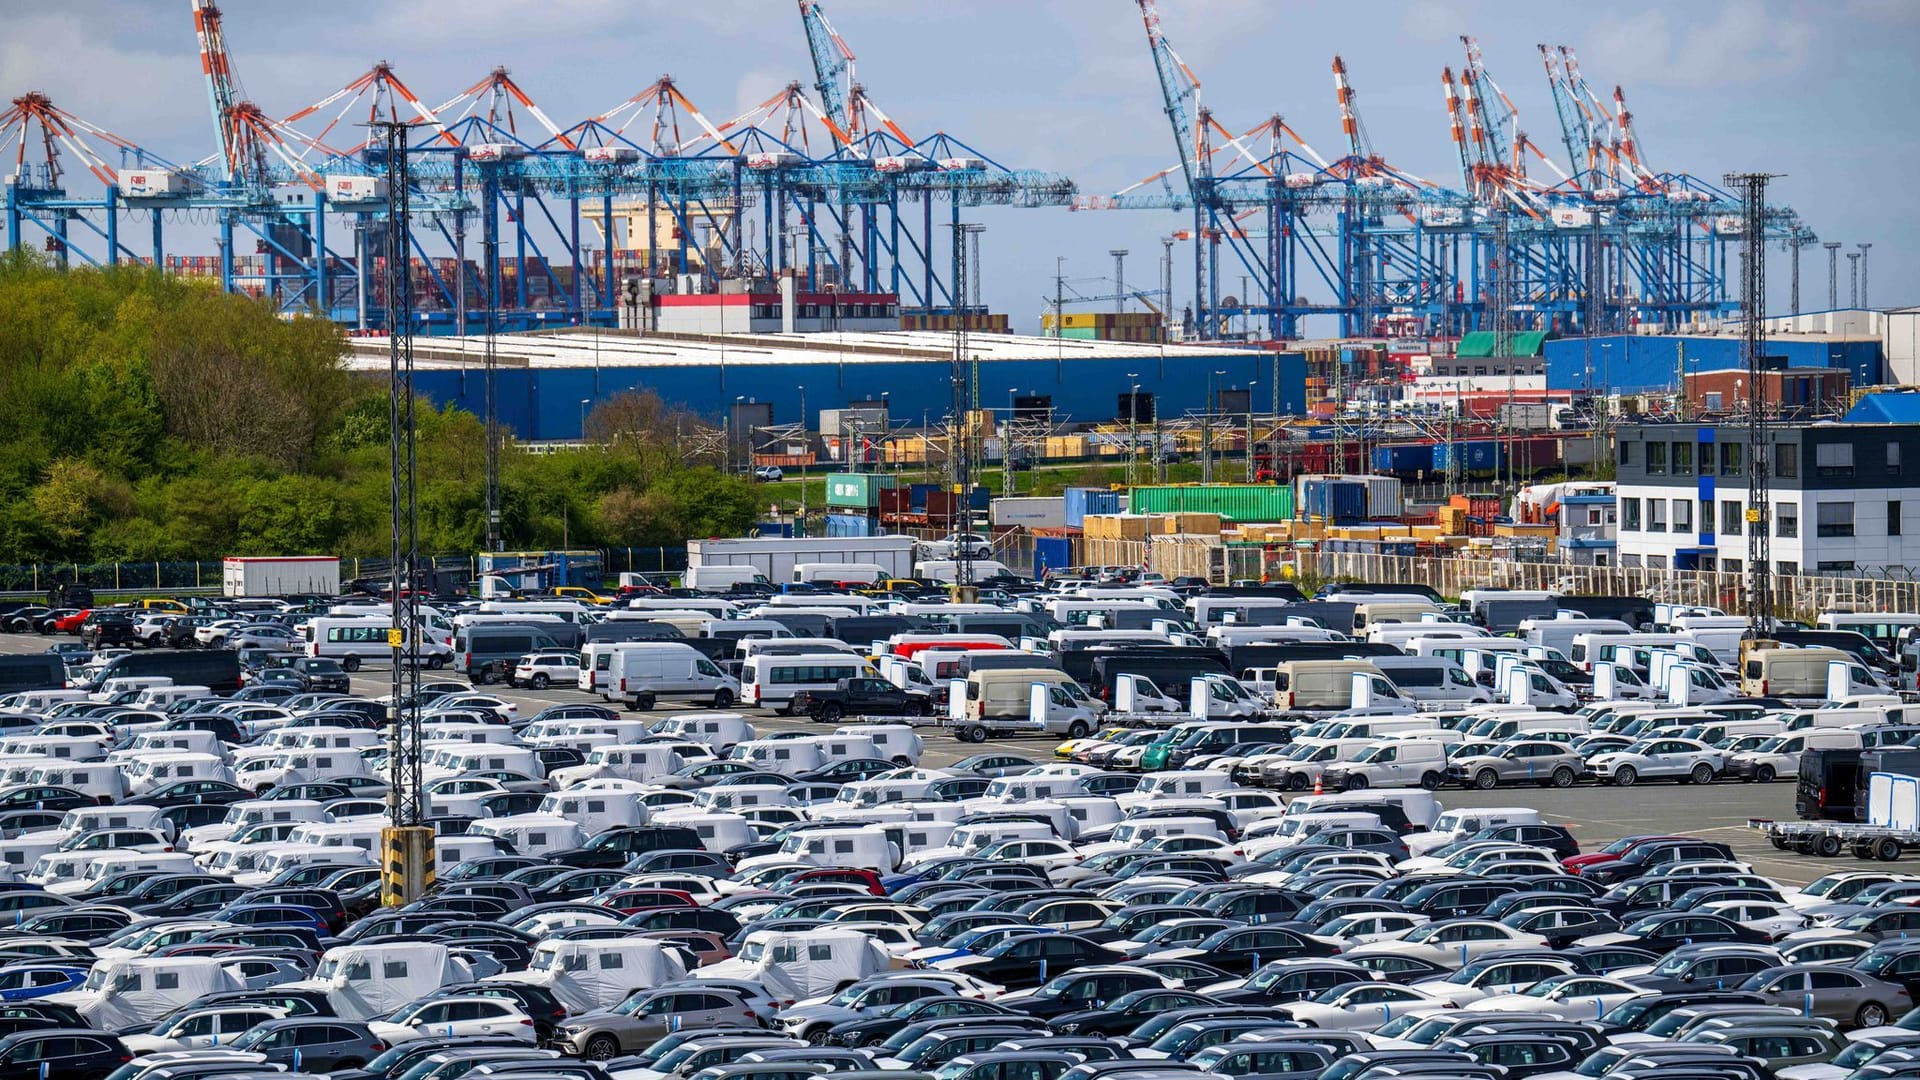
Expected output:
(1632, 364)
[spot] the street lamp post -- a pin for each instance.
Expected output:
(1133, 423)
(806, 452)
(584, 402)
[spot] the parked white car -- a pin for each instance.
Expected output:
(1360, 1006)
(1685, 760)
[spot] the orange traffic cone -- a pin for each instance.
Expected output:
(1317, 789)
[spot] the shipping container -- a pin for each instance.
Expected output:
(316, 574)
(1334, 500)
(1478, 455)
(857, 490)
(1083, 501)
(1235, 502)
(1051, 553)
(1405, 461)
(850, 525)
(1031, 512)
(773, 528)
(917, 495)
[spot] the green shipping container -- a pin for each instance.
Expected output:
(1235, 502)
(860, 490)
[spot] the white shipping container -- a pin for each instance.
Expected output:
(775, 557)
(1031, 512)
(149, 183)
(610, 155)
(963, 164)
(356, 188)
(298, 574)
(777, 160)
(496, 152)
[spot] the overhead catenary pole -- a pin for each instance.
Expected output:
(1833, 274)
(407, 866)
(1864, 302)
(1752, 188)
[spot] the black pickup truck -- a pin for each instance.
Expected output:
(865, 696)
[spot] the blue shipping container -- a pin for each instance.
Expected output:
(1051, 553)
(781, 529)
(1095, 501)
(1479, 455)
(1403, 461)
(850, 525)
(1336, 500)
(917, 495)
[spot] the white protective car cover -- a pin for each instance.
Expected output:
(363, 981)
(534, 833)
(803, 964)
(590, 975)
(141, 989)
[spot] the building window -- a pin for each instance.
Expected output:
(1833, 519)
(1683, 459)
(1682, 514)
(1834, 459)
(1656, 514)
(1893, 459)
(1786, 520)
(1706, 513)
(1731, 566)
(1788, 568)
(1656, 562)
(1834, 567)
(1730, 518)
(1479, 369)
(1631, 523)
(1629, 560)
(1786, 459)
(1730, 459)
(1893, 517)
(1626, 452)
(1593, 515)
(1656, 458)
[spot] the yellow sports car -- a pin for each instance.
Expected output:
(1072, 746)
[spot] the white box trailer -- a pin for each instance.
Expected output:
(279, 576)
(1030, 512)
(775, 557)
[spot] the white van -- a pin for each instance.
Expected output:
(643, 671)
(720, 578)
(898, 743)
(1388, 764)
(1559, 632)
(771, 681)
(999, 700)
(1326, 686)
(1421, 807)
(948, 571)
(1460, 824)
(863, 573)
(641, 761)
(356, 641)
(718, 731)
(1432, 680)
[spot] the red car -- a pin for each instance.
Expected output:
(1611, 853)
(631, 901)
(70, 624)
(866, 879)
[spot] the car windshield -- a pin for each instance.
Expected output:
(1428, 1031)
(1600, 1061)
(251, 1037)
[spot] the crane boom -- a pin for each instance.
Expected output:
(832, 63)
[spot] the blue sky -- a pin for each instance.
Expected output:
(1824, 93)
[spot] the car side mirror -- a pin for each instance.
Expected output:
(1687, 977)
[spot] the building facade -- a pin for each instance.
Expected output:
(1840, 497)
(1589, 529)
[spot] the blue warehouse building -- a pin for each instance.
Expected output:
(1633, 364)
(546, 383)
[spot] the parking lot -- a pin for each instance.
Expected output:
(1596, 814)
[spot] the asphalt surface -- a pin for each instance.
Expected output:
(1596, 815)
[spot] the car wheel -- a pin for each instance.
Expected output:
(1871, 1015)
(830, 713)
(1624, 776)
(1076, 730)
(154, 641)
(1779, 843)
(1764, 774)
(1563, 777)
(1354, 783)
(903, 761)
(1701, 774)
(973, 733)
(1887, 849)
(1827, 847)
(1430, 781)
(920, 708)
(643, 702)
(601, 1048)
(817, 1036)
(350, 664)
(435, 663)
(540, 681)
(1486, 779)
(722, 698)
